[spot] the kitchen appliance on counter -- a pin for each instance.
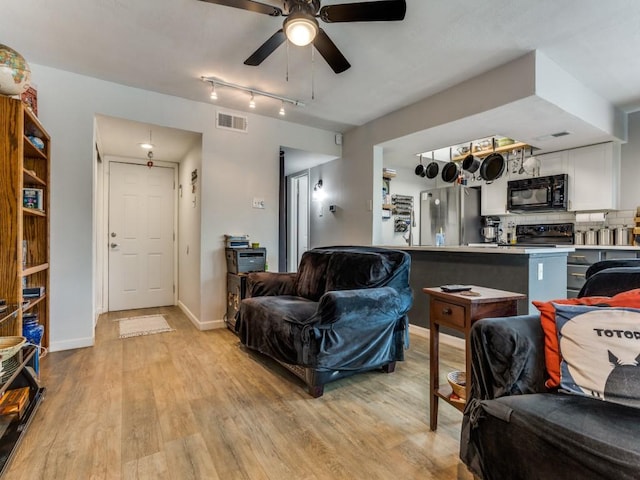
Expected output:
(590, 237)
(452, 214)
(605, 236)
(624, 235)
(545, 234)
(491, 230)
(539, 194)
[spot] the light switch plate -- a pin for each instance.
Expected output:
(258, 202)
(540, 271)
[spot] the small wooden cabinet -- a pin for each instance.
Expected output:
(459, 311)
(236, 292)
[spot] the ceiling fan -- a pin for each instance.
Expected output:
(301, 27)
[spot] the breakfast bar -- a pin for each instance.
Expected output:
(539, 273)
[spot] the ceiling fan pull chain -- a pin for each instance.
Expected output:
(287, 75)
(313, 69)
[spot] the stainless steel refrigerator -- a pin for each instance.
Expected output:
(454, 211)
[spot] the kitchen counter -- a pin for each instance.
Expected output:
(540, 273)
(492, 249)
(607, 247)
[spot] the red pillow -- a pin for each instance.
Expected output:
(552, 357)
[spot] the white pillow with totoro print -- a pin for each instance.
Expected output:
(600, 348)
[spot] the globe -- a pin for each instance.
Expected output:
(15, 74)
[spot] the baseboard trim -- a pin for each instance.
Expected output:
(210, 325)
(71, 344)
(444, 338)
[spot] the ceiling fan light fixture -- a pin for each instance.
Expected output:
(300, 29)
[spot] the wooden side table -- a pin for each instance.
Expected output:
(458, 311)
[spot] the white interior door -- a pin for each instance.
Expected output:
(141, 238)
(298, 219)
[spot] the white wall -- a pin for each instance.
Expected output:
(630, 166)
(189, 220)
(235, 168)
(324, 225)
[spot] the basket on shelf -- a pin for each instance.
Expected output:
(458, 382)
(9, 346)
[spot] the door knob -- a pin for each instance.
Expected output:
(114, 245)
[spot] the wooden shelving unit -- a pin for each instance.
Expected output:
(24, 256)
(489, 151)
(386, 186)
(24, 232)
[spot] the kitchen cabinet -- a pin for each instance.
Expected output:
(619, 254)
(494, 197)
(594, 177)
(553, 163)
(578, 263)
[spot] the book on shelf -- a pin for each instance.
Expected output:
(33, 198)
(32, 292)
(14, 401)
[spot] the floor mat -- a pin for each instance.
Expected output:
(145, 325)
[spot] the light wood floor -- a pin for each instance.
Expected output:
(195, 405)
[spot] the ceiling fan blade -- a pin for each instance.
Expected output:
(330, 52)
(266, 49)
(382, 11)
(249, 5)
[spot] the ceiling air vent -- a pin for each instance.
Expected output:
(227, 121)
(560, 134)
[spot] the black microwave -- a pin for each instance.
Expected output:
(537, 194)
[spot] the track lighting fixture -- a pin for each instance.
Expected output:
(216, 82)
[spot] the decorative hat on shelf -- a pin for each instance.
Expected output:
(15, 75)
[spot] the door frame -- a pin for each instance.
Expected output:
(103, 244)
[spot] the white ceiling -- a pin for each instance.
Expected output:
(167, 45)
(121, 138)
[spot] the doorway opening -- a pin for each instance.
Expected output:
(295, 203)
(142, 214)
